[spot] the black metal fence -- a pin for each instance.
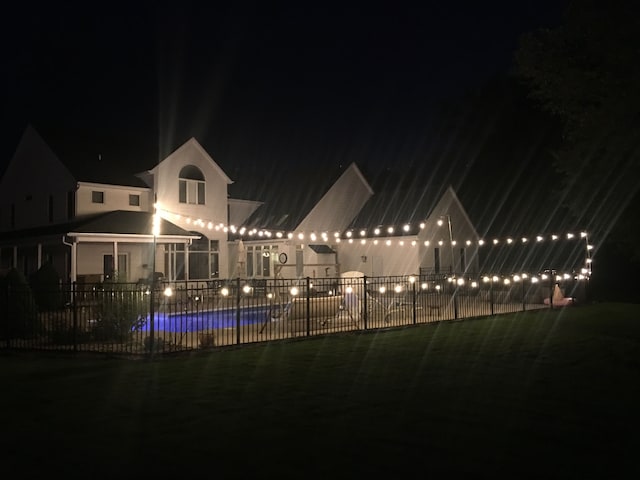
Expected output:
(138, 319)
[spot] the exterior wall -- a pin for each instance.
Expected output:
(380, 259)
(339, 206)
(448, 209)
(139, 259)
(192, 217)
(34, 175)
(116, 197)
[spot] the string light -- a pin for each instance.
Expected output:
(365, 234)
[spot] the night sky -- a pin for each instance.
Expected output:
(385, 85)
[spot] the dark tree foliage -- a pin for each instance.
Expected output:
(587, 73)
(18, 310)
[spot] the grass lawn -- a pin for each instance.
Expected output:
(546, 394)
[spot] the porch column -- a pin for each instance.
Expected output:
(115, 260)
(39, 255)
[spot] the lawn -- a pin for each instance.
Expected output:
(546, 394)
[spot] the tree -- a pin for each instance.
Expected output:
(587, 73)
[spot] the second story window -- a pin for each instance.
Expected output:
(191, 186)
(97, 197)
(134, 200)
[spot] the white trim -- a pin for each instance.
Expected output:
(130, 238)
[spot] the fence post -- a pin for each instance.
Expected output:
(6, 316)
(152, 288)
(238, 300)
(491, 295)
(365, 310)
(455, 301)
(413, 300)
(74, 316)
(308, 280)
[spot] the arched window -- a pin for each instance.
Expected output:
(191, 185)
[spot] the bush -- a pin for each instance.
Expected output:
(46, 288)
(121, 310)
(19, 317)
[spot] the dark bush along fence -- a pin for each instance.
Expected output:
(125, 318)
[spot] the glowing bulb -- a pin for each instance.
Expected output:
(412, 279)
(424, 286)
(362, 233)
(301, 236)
(294, 291)
(495, 241)
(349, 289)
(438, 287)
(507, 281)
(398, 288)
(426, 243)
(474, 284)
(224, 291)
(570, 236)
(480, 242)
(376, 231)
(539, 238)
(279, 234)
(349, 234)
(168, 292)
(246, 289)
(461, 281)
(406, 228)
(390, 230)
(422, 226)
(534, 279)
(382, 289)
(388, 242)
(440, 222)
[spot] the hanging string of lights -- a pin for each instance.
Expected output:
(378, 235)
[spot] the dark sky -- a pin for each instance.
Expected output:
(256, 85)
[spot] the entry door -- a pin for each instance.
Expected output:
(107, 266)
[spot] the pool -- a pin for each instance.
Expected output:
(207, 320)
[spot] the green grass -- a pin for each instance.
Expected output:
(547, 394)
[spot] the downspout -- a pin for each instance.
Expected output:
(74, 253)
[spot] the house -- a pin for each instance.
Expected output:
(186, 220)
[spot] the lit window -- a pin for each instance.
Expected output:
(191, 186)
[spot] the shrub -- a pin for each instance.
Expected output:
(46, 288)
(19, 316)
(121, 310)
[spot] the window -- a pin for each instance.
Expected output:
(134, 200)
(97, 197)
(260, 260)
(436, 260)
(191, 186)
(204, 259)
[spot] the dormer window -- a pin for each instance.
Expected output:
(191, 185)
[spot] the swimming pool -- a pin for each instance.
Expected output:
(182, 322)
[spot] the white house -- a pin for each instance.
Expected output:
(91, 229)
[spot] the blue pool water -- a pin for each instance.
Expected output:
(206, 320)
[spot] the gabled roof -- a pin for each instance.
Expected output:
(119, 222)
(192, 143)
(288, 193)
(398, 206)
(83, 168)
